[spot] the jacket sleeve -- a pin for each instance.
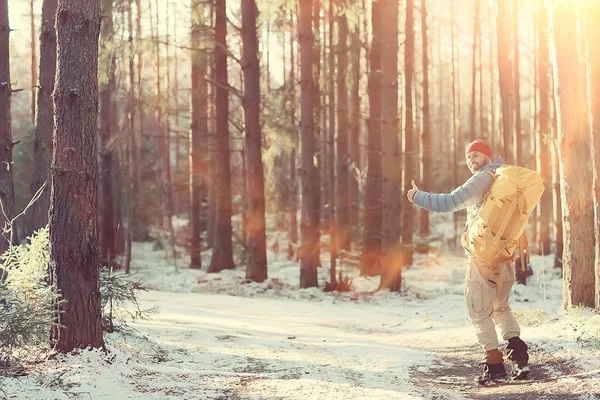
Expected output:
(470, 193)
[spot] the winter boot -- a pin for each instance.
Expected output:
(516, 352)
(492, 373)
(493, 368)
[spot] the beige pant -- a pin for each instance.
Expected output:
(487, 306)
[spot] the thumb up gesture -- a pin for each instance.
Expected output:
(411, 192)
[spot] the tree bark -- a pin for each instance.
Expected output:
(222, 256)
(44, 120)
(371, 257)
(6, 143)
(74, 261)
(256, 269)
(573, 151)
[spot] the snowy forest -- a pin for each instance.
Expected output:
(211, 199)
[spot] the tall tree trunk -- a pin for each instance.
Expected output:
(333, 245)
(198, 128)
(44, 120)
(256, 269)
(391, 187)
(543, 138)
(310, 205)
(293, 194)
(166, 148)
(34, 71)
(107, 89)
(592, 14)
(556, 200)
(409, 140)
(342, 221)
(505, 78)
(517, 143)
(573, 151)
(317, 165)
(371, 257)
(455, 140)
(130, 154)
(139, 228)
(476, 35)
(426, 135)
(222, 256)
(74, 258)
(6, 143)
(354, 142)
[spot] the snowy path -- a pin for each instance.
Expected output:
(246, 348)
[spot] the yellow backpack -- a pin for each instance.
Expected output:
(496, 232)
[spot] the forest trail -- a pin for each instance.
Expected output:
(230, 347)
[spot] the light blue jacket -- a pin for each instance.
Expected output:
(470, 195)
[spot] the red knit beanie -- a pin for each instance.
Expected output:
(480, 146)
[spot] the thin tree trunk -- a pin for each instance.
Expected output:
(34, 71)
(409, 147)
(371, 257)
(317, 166)
(426, 135)
(354, 142)
(256, 269)
(476, 35)
(592, 14)
(130, 155)
(505, 77)
(517, 145)
(293, 242)
(222, 256)
(44, 123)
(166, 149)
(342, 204)
(391, 147)
(391, 187)
(74, 261)
(543, 138)
(6, 144)
(573, 151)
(331, 153)
(198, 128)
(107, 89)
(310, 205)
(454, 142)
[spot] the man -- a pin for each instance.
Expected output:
(487, 302)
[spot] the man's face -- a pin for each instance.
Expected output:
(476, 160)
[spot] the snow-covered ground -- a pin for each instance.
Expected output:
(216, 336)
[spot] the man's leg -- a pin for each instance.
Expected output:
(479, 298)
(509, 328)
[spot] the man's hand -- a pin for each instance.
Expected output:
(411, 192)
